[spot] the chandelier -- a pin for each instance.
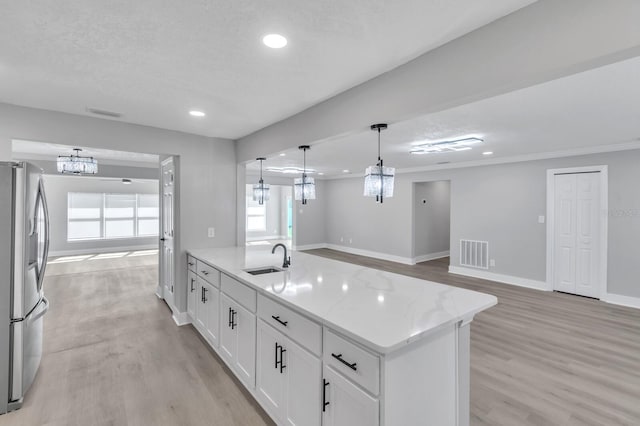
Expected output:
(304, 187)
(260, 190)
(378, 180)
(77, 164)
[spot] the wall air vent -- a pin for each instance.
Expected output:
(104, 113)
(474, 254)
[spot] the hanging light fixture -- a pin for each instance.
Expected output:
(260, 190)
(378, 180)
(77, 164)
(305, 187)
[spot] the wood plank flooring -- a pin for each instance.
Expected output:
(113, 356)
(542, 358)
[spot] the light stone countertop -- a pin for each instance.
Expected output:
(381, 310)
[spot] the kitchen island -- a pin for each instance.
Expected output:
(332, 343)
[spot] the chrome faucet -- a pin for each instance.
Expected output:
(287, 260)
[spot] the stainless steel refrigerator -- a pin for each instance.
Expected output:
(24, 244)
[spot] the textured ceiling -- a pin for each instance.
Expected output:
(586, 110)
(154, 60)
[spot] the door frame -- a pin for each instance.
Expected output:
(603, 171)
(160, 291)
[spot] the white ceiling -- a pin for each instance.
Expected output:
(29, 150)
(153, 61)
(583, 111)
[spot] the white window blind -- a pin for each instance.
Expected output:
(110, 216)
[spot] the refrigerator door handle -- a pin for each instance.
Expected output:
(45, 252)
(42, 311)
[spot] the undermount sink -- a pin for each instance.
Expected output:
(263, 270)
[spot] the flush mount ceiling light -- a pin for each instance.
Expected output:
(76, 164)
(289, 170)
(378, 180)
(196, 113)
(463, 144)
(305, 186)
(260, 190)
(274, 41)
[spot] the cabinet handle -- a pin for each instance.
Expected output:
(205, 272)
(192, 288)
(190, 263)
(230, 320)
(324, 395)
(339, 358)
(277, 362)
(233, 319)
(204, 295)
(277, 318)
(282, 366)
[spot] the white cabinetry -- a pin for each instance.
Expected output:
(207, 318)
(192, 295)
(288, 379)
(238, 339)
(345, 403)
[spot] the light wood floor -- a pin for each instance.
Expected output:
(542, 358)
(113, 356)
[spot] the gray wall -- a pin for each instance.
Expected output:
(309, 220)
(479, 65)
(431, 219)
(499, 204)
(206, 172)
(57, 188)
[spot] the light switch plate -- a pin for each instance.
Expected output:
(211, 232)
(541, 219)
(492, 262)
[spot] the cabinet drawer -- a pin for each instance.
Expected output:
(191, 264)
(352, 361)
(210, 274)
(239, 292)
(303, 330)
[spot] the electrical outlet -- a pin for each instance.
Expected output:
(342, 239)
(211, 232)
(350, 240)
(492, 262)
(541, 219)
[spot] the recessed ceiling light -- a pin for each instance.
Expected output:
(196, 113)
(345, 171)
(282, 154)
(487, 153)
(274, 41)
(321, 174)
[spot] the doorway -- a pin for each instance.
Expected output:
(577, 230)
(271, 222)
(431, 220)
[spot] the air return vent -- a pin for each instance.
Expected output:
(474, 254)
(104, 112)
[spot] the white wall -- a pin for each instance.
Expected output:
(206, 179)
(499, 204)
(57, 188)
(432, 218)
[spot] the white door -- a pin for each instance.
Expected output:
(347, 404)
(303, 383)
(270, 382)
(192, 299)
(577, 229)
(167, 232)
(244, 323)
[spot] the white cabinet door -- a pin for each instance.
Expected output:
(347, 404)
(244, 323)
(228, 332)
(270, 379)
(201, 307)
(192, 298)
(211, 304)
(303, 386)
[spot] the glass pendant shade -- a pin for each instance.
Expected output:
(76, 164)
(304, 188)
(378, 181)
(261, 192)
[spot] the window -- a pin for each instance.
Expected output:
(94, 216)
(256, 213)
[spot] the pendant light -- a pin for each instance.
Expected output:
(260, 190)
(76, 164)
(305, 187)
(378, 180)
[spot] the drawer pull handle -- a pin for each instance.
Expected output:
(339, 358)
(205, 272)
(277, 318)
(192, 287)
(190, 263)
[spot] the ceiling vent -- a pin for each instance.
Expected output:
(104, 113)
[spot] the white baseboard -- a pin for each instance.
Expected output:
(159, 292)
(97, 250)
(181, 318)
(618, 299)
(431, 256)
(374, 254)
(310, 246)
(266, 237)
(501, 278)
